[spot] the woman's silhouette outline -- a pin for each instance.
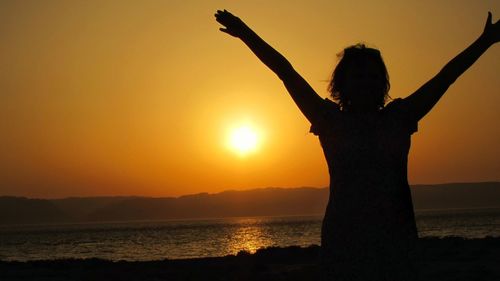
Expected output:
(369, 230)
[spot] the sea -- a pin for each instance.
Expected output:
(181, 239)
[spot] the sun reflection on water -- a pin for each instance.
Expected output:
(249, 237)
(156, 240)
(142, 241)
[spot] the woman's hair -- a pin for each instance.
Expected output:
(354, 55)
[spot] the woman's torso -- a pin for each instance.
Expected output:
(370, 202)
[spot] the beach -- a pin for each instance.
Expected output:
(449, 258)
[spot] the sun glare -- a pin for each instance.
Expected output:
(243, 140)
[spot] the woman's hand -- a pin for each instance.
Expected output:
(234, 26)
(491, 30)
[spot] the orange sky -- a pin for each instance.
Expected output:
(137, 97)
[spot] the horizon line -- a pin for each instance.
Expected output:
(219, 192)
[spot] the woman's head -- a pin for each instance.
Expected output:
(360, 80)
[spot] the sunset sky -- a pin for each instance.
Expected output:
(142, 97)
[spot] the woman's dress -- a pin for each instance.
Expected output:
(369, 230)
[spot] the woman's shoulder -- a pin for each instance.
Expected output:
(326, 114)
(399, 111)
(395, 105)
(331, 104)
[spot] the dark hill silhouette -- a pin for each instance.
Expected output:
(456, 195)
(20, 210)
(257, 202)
(80, 207)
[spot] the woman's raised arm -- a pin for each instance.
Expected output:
(302, 93)
(422, 101)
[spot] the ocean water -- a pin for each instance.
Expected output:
(156, 240)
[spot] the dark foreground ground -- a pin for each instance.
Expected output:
(438, 259)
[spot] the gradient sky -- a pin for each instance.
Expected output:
(137, 97)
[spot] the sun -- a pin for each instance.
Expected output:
(243, 140)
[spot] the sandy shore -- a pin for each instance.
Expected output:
(437, 259)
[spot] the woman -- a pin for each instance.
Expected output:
(369, 230)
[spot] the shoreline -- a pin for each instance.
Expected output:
(449, 258)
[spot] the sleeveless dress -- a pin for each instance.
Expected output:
(369, 229)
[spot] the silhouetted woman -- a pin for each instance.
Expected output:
(369, 230)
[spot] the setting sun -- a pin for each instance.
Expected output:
(243, 140)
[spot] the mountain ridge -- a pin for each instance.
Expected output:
(270, 201)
